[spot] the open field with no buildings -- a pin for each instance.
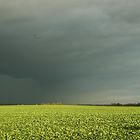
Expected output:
(67, 122)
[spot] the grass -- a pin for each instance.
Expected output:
(65, 122)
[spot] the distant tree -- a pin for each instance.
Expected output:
(116, 104)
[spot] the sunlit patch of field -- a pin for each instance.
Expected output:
(65, 122)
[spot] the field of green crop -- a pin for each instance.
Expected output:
(61, 122)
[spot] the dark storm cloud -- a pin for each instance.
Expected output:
(71, 51)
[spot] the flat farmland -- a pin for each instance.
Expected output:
(69, 122)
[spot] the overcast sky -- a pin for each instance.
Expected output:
(70, 51)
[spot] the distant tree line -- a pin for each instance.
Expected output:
(129, 104)
(119, 104)
(113, 104)
(60, 103)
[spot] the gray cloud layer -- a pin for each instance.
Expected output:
(83, 51)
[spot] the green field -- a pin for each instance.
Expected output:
(61, 122)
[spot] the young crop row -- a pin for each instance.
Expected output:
(69, 123)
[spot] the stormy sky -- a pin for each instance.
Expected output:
(70, 51)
